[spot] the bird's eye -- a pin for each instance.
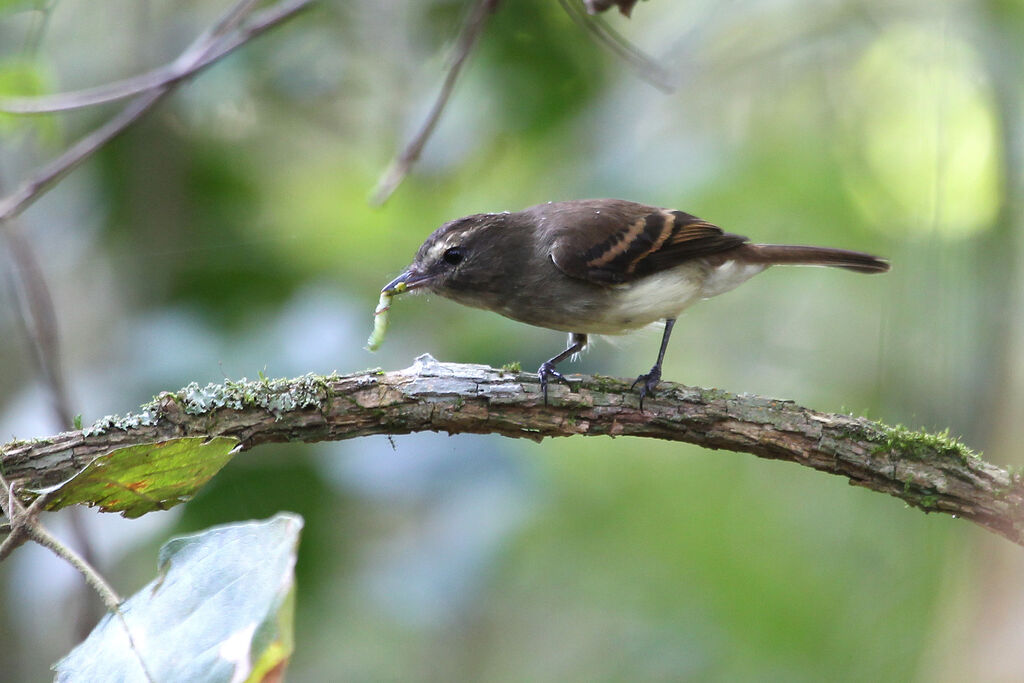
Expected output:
(453, 256)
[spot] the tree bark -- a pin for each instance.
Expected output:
(932, 472)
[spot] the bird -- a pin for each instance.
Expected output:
(598, 267)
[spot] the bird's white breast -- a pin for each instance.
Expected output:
(666, 294)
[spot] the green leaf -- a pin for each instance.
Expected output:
(220, 609)
(135, 480)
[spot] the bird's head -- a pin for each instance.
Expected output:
(460, 256)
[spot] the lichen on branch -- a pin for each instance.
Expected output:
(932, 472)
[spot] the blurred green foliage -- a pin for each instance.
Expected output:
(229, 234)
(23, 78)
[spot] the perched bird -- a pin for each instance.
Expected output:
(597, 266)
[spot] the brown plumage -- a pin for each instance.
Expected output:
(598, 266)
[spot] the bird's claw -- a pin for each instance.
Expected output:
(648, 383)
(546, 370)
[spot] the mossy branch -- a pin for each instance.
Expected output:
(932, 472)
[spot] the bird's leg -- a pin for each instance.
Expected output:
(547, 368)
(649, 381)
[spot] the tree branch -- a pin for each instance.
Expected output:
(184, 66)
(37, 319)
(644, 66)
(211, 45)
(930, 472)
(399, 168)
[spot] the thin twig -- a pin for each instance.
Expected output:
(16, 538)
(228, 21)
(644, 66)
(111, 600)
(155, 78)
(20, 517)
(50, 173)
(399, 168)
(40, 22)
(101, 94)
(25, 525)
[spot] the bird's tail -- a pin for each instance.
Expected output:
(786, 254)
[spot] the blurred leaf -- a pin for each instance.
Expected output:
(138, 479)
(1009, 14)
(20, 78)
(220, 609)
(540, 68)
(322, 209)
(187, 215)
(23, 78)
(12, 6)
(799, 199)
(923, 134)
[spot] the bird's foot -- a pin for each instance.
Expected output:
(546, 371)
(647, 383)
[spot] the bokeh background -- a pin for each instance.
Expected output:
(229, 234)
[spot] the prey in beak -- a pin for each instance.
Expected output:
(406, 281)
(403, 283)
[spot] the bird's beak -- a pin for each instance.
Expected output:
(407, 280)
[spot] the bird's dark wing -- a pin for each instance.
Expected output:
(613, 242)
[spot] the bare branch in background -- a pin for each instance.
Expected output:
(645, 67)
(38, 321)
(40, 22)
(156, 78)
(101, 94)
(399, 168)
(930, 472)
(211, 46)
